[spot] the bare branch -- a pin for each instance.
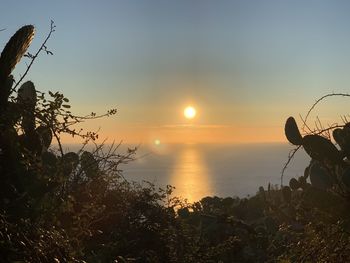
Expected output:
(290, 157)
(319, 100)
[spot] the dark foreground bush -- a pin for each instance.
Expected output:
(58, 206)
(69, 207)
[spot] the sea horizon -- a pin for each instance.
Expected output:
(199, 170)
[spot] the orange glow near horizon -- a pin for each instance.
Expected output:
(174, 128)
(178, 134)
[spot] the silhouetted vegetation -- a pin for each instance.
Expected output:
(58, 206)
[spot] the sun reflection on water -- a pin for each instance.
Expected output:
(190, 175)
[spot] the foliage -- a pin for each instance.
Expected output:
(58, 206)
(316, 221)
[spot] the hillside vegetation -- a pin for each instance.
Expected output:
(58, 206)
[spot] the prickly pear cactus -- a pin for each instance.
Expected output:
(15, 49)
(321, 149)
(292, 132)
(319, 176)
(27, 99)
(5, 89)
(342, 137)
(10, 56)
(329, 169)
(27, 94)
(9, 112)
(294, 184)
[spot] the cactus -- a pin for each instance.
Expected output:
(12, 114)
(10, 56)
(342, 137)
(321, 149)
(15, 49)
(338, 136)
(45, 136)
(292, 132)
(27, 94)
(319, 176)
(89, 164)
(26, 98)
(5, 90)
(32, 142)
(294, 184)
(302, 182)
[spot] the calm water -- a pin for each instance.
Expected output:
(223, 170)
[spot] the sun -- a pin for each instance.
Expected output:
(190, 112)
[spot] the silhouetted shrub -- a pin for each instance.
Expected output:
(58, 206)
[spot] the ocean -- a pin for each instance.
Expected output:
(198, 170)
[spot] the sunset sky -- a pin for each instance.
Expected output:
(245, 66)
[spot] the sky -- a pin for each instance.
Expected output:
(246, 66)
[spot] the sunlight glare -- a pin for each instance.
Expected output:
(190, 112)
(190, 175)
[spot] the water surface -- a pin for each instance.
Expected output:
(223, 170)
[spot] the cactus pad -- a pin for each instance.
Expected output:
(294, 184)
(321, 149)
(27, 94)
(292, 132)
(15, 49)
(319, 176)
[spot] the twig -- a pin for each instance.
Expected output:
(58, 141)
(320, 99)
(290, 157)
(305, 124)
